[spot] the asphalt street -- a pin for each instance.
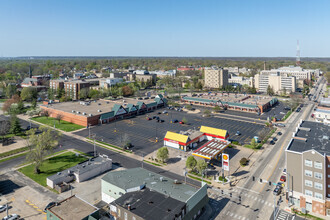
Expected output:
(142, 133)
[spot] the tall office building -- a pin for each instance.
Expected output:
(276, 81)
(215, 78)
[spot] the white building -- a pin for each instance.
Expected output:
(161, 73)
(322, 114)
(141, 72)
(276, 81)
(240, 80)
(296, 71)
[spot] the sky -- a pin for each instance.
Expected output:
(192, 28)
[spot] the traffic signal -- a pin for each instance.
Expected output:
(253, 178)
(260, 180)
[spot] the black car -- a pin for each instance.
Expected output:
(49, 205)
(277, 190)
(154, 117)
(159, 113)
(274, 139)
(174, 121)
(272, 142)
(279, 133)
(162, 121)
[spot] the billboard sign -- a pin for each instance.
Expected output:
(225, 162)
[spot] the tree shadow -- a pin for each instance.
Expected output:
(240, 173)
(173, 160)
(7, 186)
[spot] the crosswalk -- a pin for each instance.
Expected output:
(283, 215)
(231, 215)
(244, 196)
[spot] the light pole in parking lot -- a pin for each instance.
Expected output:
(94, 136)
(89, 131)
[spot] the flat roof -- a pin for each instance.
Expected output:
(137, 177)
(211, 149)
(150, 204)
(243, 100)
(72, 208)
(83, 167)
(91, 108)
(311, 135)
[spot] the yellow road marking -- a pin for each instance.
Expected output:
(31, 204)
(36, 207)
(39, 210)
(27, 201)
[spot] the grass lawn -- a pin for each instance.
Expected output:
(3, 100)
(52, 166)
(64, 125)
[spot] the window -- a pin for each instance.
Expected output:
(308, 183)
(318, 165)
(328, 175)
(308, 163)
(318, 175)
(318, 185)
(308, 193)
(318, 195)
(328, 186)
(308, 173)
(328, 165)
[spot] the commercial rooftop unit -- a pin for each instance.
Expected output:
(102, 111)
(240, 102)
(72, 208)
(212, 149)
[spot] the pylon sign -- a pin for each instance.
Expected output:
(225, 162)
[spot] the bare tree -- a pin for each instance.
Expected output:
(4, 128)
(45, 113)
(59, 117)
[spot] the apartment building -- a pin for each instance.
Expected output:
(73, 88)
(56, 84)
(296, 71)
(276, 81)
(215, 78)
(308, 168)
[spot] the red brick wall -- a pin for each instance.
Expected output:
(302, 202)
(318, 207)
(69, 117)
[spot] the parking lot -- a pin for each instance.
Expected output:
(142, 133)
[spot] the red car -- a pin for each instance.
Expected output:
(181, 122)
(149, 119)
(283, 178)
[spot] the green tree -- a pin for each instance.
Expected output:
(41, 146)
(10, 90)
(94, 94)
(34, 103)
(216, 108)
(83, 93)
(162, 154)
(207, 113)
(20, 106)
(253, 143)
(15, 126)
(191, 162)
(28, 94)
(4, 128)
(185, 120)
(60, 93)
(201, 165)
(270, 90)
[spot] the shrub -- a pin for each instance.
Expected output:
(244, 161)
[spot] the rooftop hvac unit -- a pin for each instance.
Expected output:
(78, 112)
(73, 111)
(90, 114)
(161, 179)
(98, 110)
(84, 113)
(99, 103)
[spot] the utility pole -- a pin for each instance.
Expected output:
(288, 187)
(94, 136)
(142, 159)
(89, 131)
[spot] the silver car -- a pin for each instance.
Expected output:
(11, 217)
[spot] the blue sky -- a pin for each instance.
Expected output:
(164, 28)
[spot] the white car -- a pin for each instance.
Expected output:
(3, 208)
(11, 217)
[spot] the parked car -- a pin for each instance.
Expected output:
(298, 110)
(279, 133)
(49, 205)
(280, 125)
(165, 112)
(287, 108)
(149, 118)
(162, 121)
(181, 122)
(238, 133)
(274, 139)
(277, 190)
(272, 142)
(159, 113)
(174, 121)
(284, 171)
(154, 117)
(283, 178)
(11, 217)
(3, 208)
